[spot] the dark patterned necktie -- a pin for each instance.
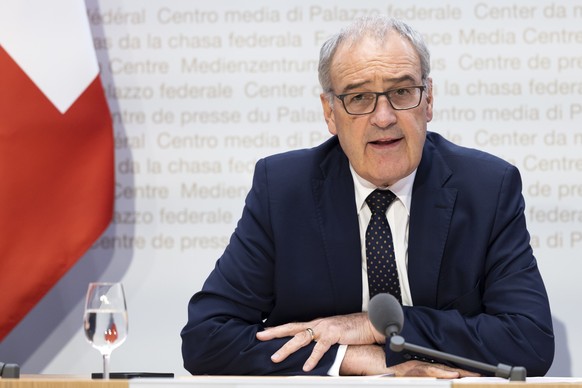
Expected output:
(382, 272)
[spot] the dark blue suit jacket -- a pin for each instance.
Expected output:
(295, 256)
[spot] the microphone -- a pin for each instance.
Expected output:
(386, 315)
(9, 371)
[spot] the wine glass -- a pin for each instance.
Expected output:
(105, 319)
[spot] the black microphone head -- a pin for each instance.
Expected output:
(385, 313)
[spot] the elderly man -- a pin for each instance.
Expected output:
(448, 238)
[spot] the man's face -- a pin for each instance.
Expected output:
(385, 145)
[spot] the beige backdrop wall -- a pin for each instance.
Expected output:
(200, 90)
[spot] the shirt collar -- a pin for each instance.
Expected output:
(402, 189)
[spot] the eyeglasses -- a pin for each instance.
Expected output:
(364, 103)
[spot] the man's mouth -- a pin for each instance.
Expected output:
(385, 142)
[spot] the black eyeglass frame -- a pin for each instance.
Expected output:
(378, 94)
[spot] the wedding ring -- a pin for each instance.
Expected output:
(311, 333)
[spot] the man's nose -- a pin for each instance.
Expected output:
(384, 115)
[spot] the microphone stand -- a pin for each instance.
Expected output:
(515, 373)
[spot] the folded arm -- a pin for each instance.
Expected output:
(505, 317)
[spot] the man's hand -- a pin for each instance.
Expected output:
(368, 360)
(417, 368)
(351, 329)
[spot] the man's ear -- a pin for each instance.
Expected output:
(327, 105)
(429, 99)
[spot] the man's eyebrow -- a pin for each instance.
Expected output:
(356, 85)
(400, 79)
(396, 80)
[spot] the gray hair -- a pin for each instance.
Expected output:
(377, 27)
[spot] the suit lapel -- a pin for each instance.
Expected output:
(334, 196)
(430, 217)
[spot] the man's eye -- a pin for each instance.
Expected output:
(361, 97)
(402, 92)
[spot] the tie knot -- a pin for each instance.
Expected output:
(379, 200)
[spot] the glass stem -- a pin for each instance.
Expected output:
(106, 366)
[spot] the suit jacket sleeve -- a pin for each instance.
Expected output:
(239, 296)
(488, 300)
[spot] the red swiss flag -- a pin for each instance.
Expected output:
(56, 182)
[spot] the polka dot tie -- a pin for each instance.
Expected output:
(382, 272)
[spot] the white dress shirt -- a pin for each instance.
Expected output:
(398, 215)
